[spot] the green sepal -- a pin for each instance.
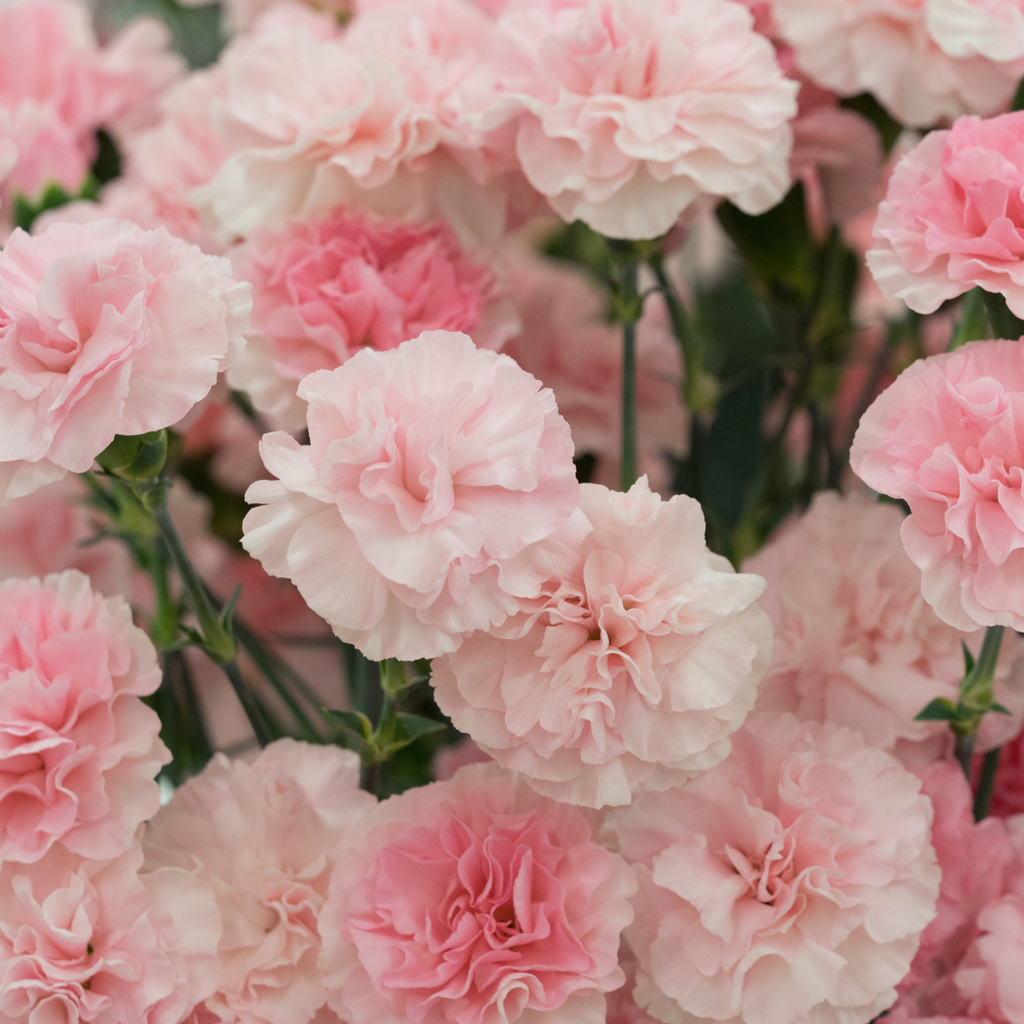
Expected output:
(941, 709)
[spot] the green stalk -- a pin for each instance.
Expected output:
(628, 462)
(986, 784)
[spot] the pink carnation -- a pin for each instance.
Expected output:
(953, 216)
(884, 47)
(993, 29)
(323, 289)
(429, 468)
(640, 657)
(567, 343)
(79, 751)
(856, 644)
(57, 87)
(943, 438)
(634, 108)
(52, 530)
(1008, 794)
(105, 329)
(515, 913)
(789, 883)
(264, 837)
(97, 942)
(989, 977)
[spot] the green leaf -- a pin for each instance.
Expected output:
(999, 709)
(415, 726)
(939, 710)
(968, 659)
(227, 614)
(353, 721)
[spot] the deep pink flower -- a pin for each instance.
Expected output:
(263, 837)
(855, 642)
(515, 912)
(323, 289)
(633, 666)
(944, 437)
(885, 47)
(953, 216)
(429, 468)
(105, 329)
(79, 751)
(96, 942)
(789, 883)
(631, 109)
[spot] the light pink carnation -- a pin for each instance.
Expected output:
(429, 467)
(514, 915)
(105, 329)
(95, 942)
(989, 977)
(79, 751)
(634, 108)
(567, 343)
(52, 530)
(953, 216)
(944, 438)
(855, 642)
(264, 837)
(57, 87)
(640, 657)
(986, 28)
(368, 120)
(789, 883)
(956, 971)
(884, 47)
(323, 289)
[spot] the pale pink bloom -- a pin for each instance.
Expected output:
(448, 760)
(789, 883)
(855, 642)
(97, 942)
(263, 837)
(993, 29)
(52, 530)
(325, 288)
(631, 109)
(79, 751)
(105, 329)
(944, 438)
(568, 344)
(429, 468)
(514, 913)
(884, 47)
(314, 120)
(953, 216)
(969, 961)
(622, 1005)
(633, 666)
(989, 977)
(57, 87)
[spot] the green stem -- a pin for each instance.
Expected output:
(974, 322)
(986, 784)
(219, 642)
(253, 711)
(628, 463)
(964, 751)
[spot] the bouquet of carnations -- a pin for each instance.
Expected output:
(512, 512)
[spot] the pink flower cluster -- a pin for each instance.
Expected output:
(57, 87)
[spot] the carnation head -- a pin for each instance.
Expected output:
(944, 438)
(624, 124)
(263, 837)
(323, 289)
(105, 329)
(515, 913)
(953, 216)
(429, 468)
(788, 884)
(79, 751)
(855, 642)
(640, 656)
